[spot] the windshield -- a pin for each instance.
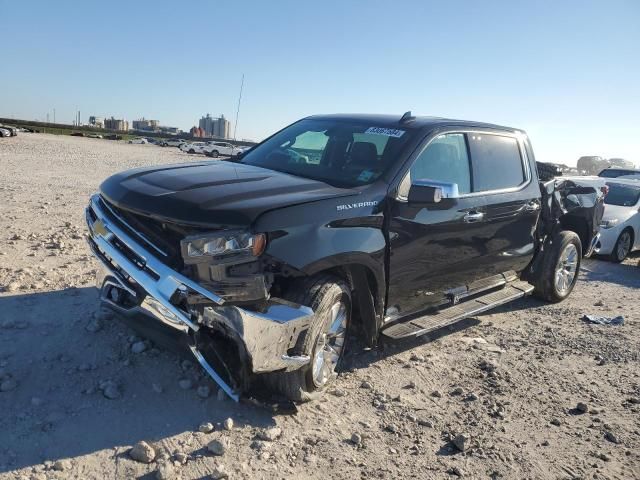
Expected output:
(340, 153)
(622, 195)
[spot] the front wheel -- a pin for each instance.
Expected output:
(324, 342)
(560, 267)
(214, 154)
(622, 247)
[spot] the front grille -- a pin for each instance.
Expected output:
(162, 238)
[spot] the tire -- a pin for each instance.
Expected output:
(214, 154)
(192, 151)
(623, 246)
(322, 293)
(560, 267)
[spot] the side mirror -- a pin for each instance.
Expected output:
(424, 194)
(427, 191)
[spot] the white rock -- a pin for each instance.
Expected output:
(142, 452)
(228, 424)
(270, 434)
(206, 427)
(62, 465)
(216, 447)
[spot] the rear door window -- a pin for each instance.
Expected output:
(497, 162)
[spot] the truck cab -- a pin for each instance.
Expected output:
(336, 226)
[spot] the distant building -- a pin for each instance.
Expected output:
(97, 122)
(120, 125)
(172, 130)
(215, 127)
(146, 125)
(197, 132)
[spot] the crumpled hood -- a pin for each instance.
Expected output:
(211, 194)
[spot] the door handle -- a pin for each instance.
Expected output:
(473, 217)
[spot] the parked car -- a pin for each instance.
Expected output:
(263, 265)
(618, 172)
(215, 149)
(193, 147)
(76, 134)
(13, 131)
(142, 141)
(172, 142)
(621, 163)
(94, 135)
(620, 232)
(113, 136)
(4, 132)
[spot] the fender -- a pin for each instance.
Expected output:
(321, 236)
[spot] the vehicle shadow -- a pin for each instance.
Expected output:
(357, 357)
(57, 409)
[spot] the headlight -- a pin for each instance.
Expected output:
(198, 248)
(609, 223)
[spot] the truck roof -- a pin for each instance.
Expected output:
(416, 122)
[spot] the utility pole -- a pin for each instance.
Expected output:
(54, 115)
(235, 129)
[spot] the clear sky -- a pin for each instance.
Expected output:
(568, 72)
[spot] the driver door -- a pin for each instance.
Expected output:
(435, 247)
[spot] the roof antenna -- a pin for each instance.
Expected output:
(407, 117)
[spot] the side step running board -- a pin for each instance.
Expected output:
(447, 316)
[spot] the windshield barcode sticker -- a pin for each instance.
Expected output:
(389, 132)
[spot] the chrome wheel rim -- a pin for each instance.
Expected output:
(566, 269)
(330, 345)
(624, 245)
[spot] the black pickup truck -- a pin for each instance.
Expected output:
(335, 227)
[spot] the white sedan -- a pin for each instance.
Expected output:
(620, 226)
(193, 147)
(139, 140)
(215, 149)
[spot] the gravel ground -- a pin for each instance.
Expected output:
(525, 392)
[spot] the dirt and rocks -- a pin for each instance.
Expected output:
(526, 392)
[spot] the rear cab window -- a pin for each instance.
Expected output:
(497, 162)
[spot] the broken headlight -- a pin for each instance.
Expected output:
(222, 244)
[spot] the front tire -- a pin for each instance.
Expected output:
(560, 267)
(622, 246)
(214, 154)
(324, 342)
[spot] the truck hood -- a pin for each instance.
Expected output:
(215, 194)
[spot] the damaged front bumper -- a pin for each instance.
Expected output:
(137, 284)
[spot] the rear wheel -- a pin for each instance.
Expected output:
(622, 246)
(192, 151)
(324, 342)
(560, 267)
(214, 154)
